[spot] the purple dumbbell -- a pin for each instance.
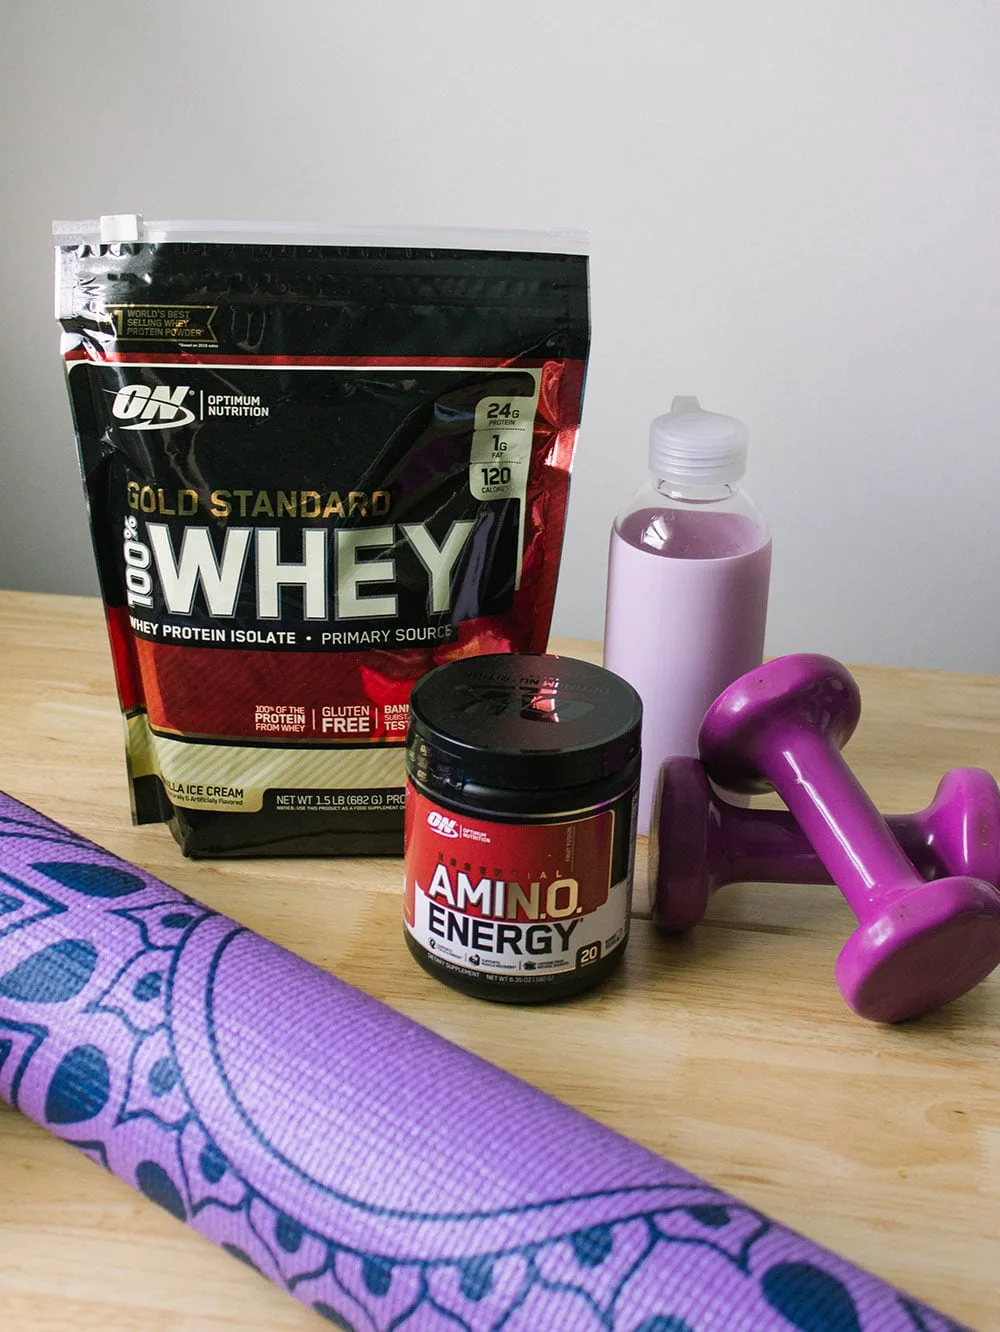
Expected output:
(919, 945)
(699, 842)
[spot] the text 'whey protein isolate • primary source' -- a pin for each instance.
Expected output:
(317, 465)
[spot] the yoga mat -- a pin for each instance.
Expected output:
(376, 1172)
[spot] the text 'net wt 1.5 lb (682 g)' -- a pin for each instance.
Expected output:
(316, 467)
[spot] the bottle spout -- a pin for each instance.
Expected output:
(696, 447)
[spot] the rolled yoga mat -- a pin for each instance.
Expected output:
(376, 1172)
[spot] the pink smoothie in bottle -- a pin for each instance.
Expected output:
(688, 578)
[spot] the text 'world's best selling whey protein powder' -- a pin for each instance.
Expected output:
(317, 465)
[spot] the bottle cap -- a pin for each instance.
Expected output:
(696, 447)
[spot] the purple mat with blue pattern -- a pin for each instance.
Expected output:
(376, 1172)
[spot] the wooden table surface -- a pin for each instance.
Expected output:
(729, 1051)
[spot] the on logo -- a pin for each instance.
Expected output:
(442, 824)
(158, 408)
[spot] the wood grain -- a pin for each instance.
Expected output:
(729, 1051)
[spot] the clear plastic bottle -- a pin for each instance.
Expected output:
(688, 576)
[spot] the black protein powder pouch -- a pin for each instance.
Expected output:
(317, 465)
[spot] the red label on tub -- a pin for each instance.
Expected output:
(513, 898)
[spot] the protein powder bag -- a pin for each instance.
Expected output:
(317, 466)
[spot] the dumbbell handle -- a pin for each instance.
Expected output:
(840, 820)
(768, 846)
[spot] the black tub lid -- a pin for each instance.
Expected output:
(530, 721)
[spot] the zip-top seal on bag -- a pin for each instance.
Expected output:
(317, 465)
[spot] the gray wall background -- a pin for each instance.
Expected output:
(794, 211)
